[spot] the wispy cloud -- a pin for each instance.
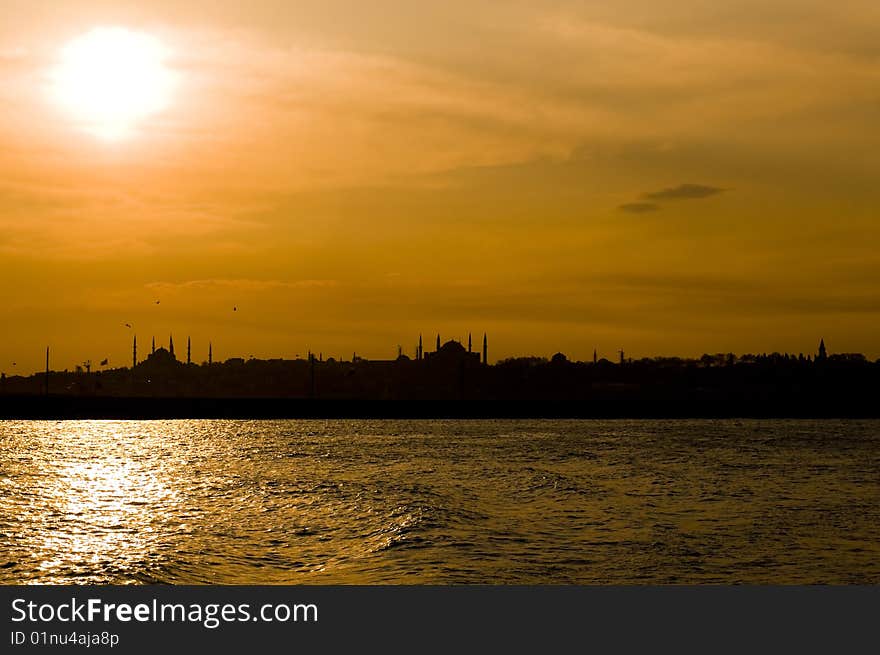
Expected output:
(680, 192)
(684, 192)
(239, 284)
(639, 207)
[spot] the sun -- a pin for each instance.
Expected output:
(111, 79)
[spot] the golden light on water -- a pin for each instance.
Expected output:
(367, 502)
(103, 503)
(112, 79)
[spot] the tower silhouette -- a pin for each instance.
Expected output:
(419, 352)
(153, 347)
(438, 342)
(470, 343)
(485, 349)
(823, 354)
(134, 351)
(595, 356)
(188, 351)
(171, 345)
(210, 353)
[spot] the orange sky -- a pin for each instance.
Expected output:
(667, 178)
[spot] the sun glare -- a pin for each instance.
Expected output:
(112, 79)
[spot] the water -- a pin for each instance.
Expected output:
(280, 502)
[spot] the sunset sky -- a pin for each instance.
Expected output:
(664, 177)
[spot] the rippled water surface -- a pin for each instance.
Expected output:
(439, 501)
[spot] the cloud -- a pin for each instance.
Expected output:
(639, 207)
(680, 192)
(684, 192)
(239, 284)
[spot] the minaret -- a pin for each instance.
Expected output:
(595, 356)
(47, 370)
(470, 344)
(153, 347)
(188, 351)
(210, 354)
(485, 349)
(171, 345)
(419, 355)
(134, 352)
(823, 354)
(438, 342)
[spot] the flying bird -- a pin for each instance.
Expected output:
(104, 362)
(235, 309)
(128, 325)
(157, 302)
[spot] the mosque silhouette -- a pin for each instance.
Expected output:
(454, 379)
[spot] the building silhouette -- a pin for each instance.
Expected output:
(160, 361)
(845, 384)
(452, 352)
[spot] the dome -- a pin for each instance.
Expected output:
(160, 359)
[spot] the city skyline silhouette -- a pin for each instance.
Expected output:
(418, 353)
(452, 379)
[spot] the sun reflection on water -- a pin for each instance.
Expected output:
(99, 506)
(365, 502)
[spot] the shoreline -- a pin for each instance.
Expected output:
(149, 408)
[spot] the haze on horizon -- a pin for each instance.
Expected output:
(667, 178)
